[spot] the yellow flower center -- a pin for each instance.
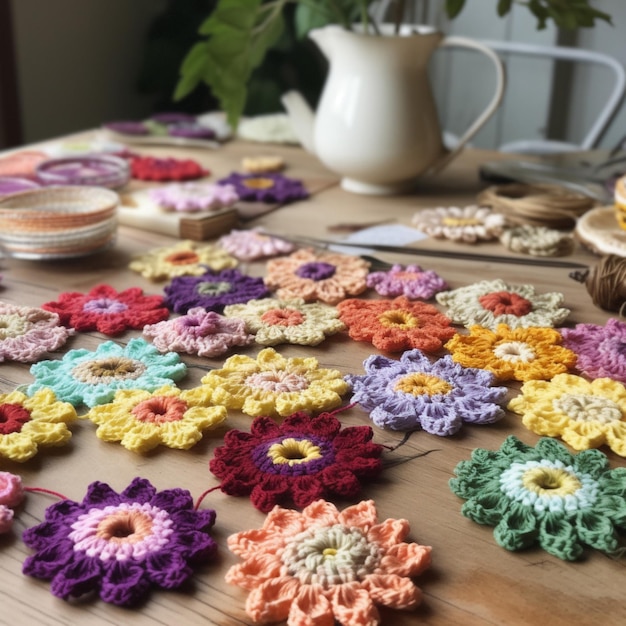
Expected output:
(292, 451)
(258, 183)
(12, 326)
(398, 319)
(329, 552)
(419, 384)
(588, 408)
(550, 481)
(460, 221)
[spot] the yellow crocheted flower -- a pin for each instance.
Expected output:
(28, 422)
(273, 385)
(585, 414)
(513, 354)
(141, 420)
(185, 258)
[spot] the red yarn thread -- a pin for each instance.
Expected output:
(47, 491)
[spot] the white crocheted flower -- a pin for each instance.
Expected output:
(468, 224)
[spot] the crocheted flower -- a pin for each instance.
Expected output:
(108, 311)
(27, 333)
(190, 197)
(141, 420)
(301, 460)
(513, 354)
(326, 276)
(537, 240)
(249, 245)
(200, 332)
(212, 291)
(29, 422)
(544, 495)
(323, 566)
(91, 378)
(396, 325)
(185, 258)
(601, 350)
(438, 397)
(290, 321)
(6, 519)
(120, 545)
(492, 302)
(162, 170)
(266, 187)
(11, 494)
(410, 281)
(468, 224)
(584, 414)
(273, 385)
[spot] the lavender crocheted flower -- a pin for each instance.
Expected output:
(410, 281)
(191, 197)
(266, 187)
(128, 127)
(438, 397)
(249, 245)
(120, 545)
(213, 290)
(601, 350)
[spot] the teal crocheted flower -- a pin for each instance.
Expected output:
(544, 495)
(92, 378)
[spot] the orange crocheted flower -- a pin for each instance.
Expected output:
(323, 565)
(513, 354)
(396, 325)
(327, 276)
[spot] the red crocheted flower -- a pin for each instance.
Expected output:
(302, 459)
(107, 311)
(151, 168)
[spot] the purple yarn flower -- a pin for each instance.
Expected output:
(266, 187)
(128, 127)
(601, 350)
(410, 281)
(173, 117)
(213, 290)
(191, 130)
(438, 397)
(120, 545)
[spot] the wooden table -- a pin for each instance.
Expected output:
(472, 580)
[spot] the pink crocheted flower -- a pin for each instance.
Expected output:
(6, 519)
(248, 245)
(11, 489)
(107, 311)
(190, 197)
(410, 281)
(26, 333)
(200, 332)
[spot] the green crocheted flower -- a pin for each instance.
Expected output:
(544, 495)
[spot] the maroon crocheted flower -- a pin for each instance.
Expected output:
(107, 311)
(213, 290)
(302, 459)
(120, 545)
(266, 187)
(152, 168)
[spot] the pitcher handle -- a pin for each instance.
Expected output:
(490, 109)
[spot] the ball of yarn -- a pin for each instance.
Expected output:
(606, 283)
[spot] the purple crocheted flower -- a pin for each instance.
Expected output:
(120, 545)
(410, 281)
(190, 130)
(128, 127)
(601, 350)
(266, 187)
(213, 290)
(438, 397)
(173, 117)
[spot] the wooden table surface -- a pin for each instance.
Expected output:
(472, 580)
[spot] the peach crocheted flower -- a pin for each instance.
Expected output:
(492, 302)
(141, 420)
(396, 325)
(273, 385)
(517, 354)
(323, 565)
(585, 414)
(326, 276)
(291, 321)
(468, 224)
(185, 258)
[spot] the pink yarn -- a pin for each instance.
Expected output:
(6, 519)
(11, 489)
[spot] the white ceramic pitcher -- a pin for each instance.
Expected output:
(377, 124)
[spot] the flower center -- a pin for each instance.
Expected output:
(419, 384)
(514, 351)
(212, 289)
(292, 451)
(460, 221)
(108, 370)
(588, 408)
(506, 303)
(282, 317)
(104, 305)
(184, 257)
(160, 409)
(331, 555)
(258, 183)
(12, 326)
(397, 318)
(12, 418)
(316, 270)
(278, 381)
(553, 481)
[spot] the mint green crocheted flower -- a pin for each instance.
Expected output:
(92, 378)
(544, 495)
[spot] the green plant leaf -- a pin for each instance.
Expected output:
(504, 6)
(454, 7)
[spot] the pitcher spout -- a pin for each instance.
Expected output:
(301, 117)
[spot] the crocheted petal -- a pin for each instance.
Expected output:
(389, 533)
(614, 482)
(517, 529)
(353, 605)
(167, 569)
(616, 438)
(362, 515)
(79, 576)
(138, 439)
(271, 601)
(406, 559)
(124, 583)
(558, 536)
(584, 435)
(272, 490)
(255, 570)
(440, 420)
(393, 591)
(48, 561)
(384, 418)
(351, 436)
(596, 530)
(173, 501)
(341, 481)
(181, 436)
(47, 433)
(486, 507)
(17, 447)
(265, 427)
(556, 451)
(306, 489)
(139, 490)
(322, 513)
(311, 608)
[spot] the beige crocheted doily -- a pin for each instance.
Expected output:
(599, 231)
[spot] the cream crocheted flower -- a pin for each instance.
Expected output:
(537, 240)
(468, 224)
